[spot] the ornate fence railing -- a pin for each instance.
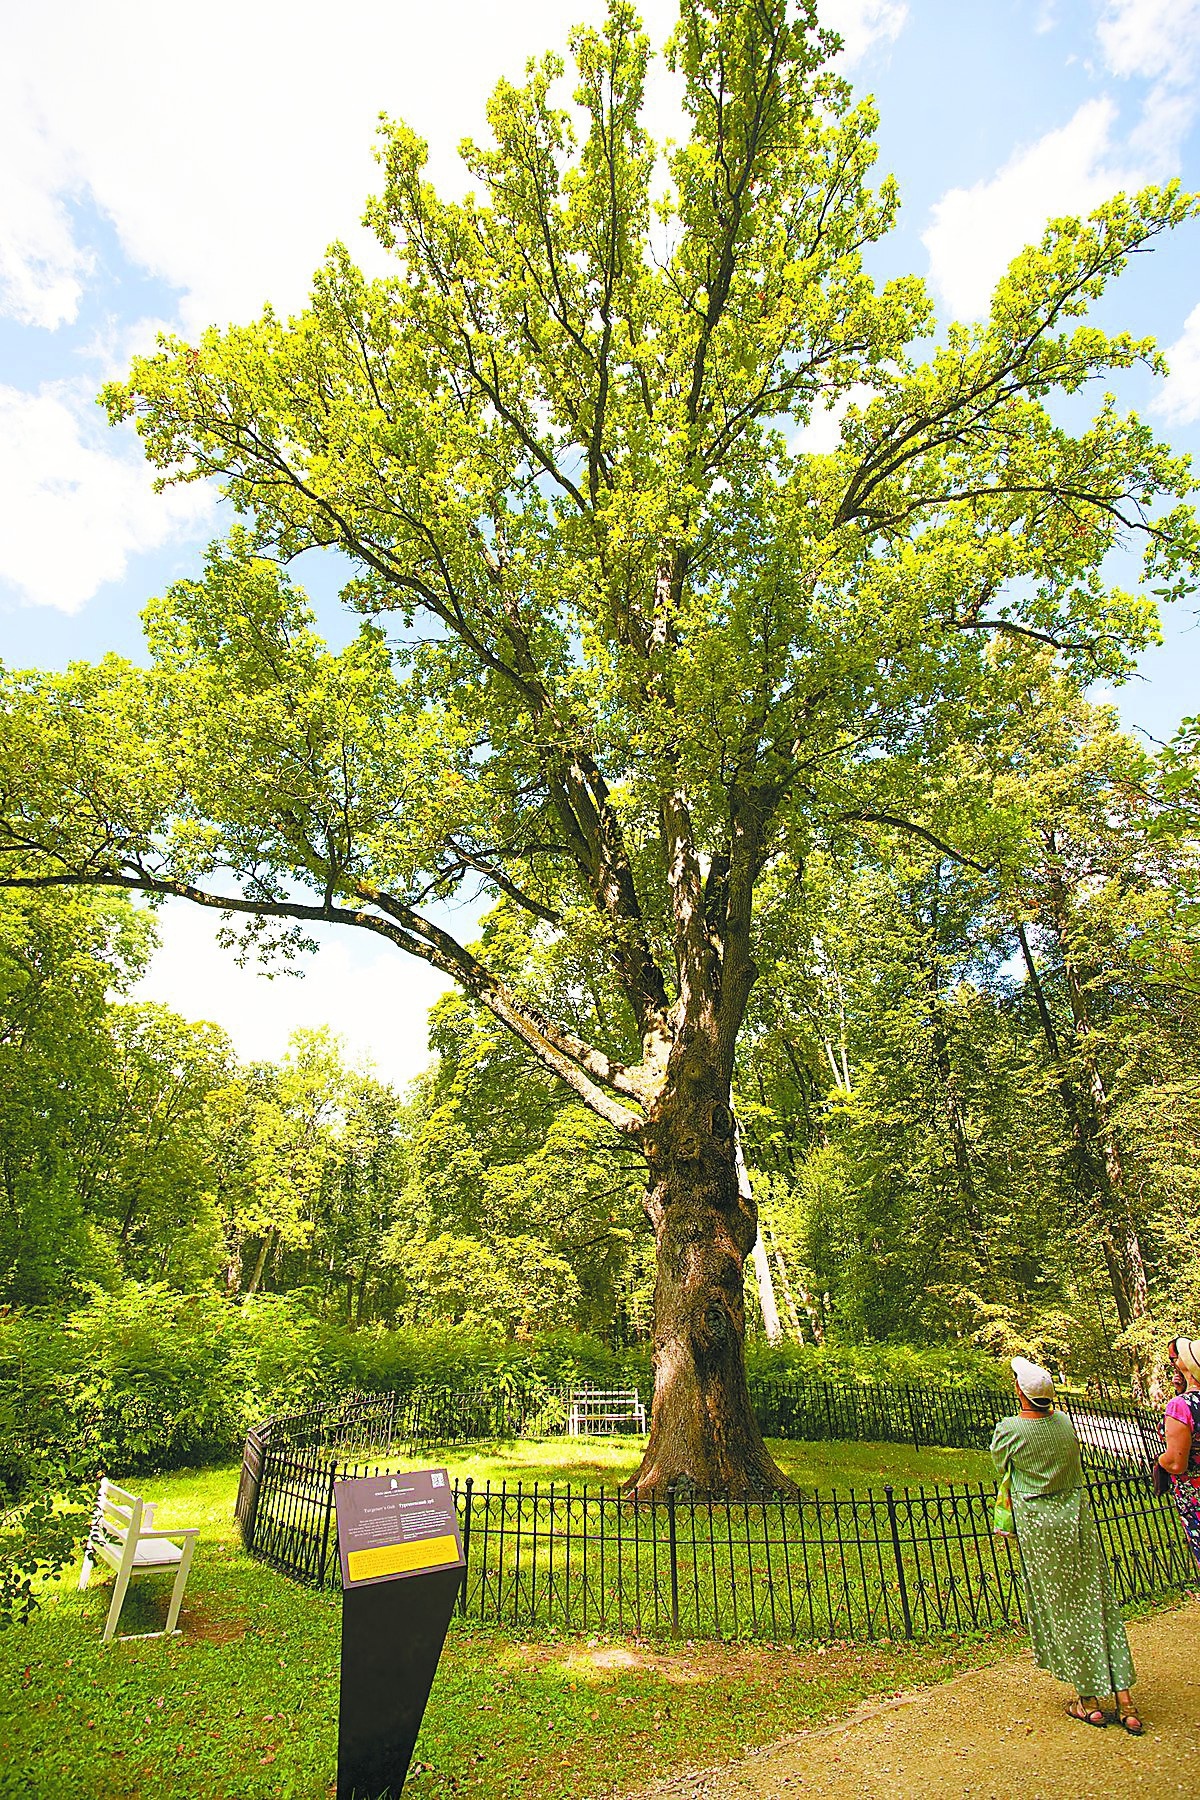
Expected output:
(857, 1564)
(807, 1411)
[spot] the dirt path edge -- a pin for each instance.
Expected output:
(995, 1733)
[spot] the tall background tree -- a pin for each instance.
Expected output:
(628, 648)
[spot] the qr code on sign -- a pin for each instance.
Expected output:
(437, 1481)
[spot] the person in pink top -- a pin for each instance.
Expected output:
(1180, 1461)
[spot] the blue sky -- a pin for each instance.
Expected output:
(164, 168)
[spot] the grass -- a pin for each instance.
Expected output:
(608, 1462)
(244, 1705)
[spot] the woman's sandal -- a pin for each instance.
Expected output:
(1095, 1718)
(1131, 1722)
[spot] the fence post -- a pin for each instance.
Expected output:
(325, 1524)
(466, 1541)
(912, 1419)
(674, 1561)
(904, 1607)
(257, 1477)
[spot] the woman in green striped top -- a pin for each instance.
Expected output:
(1077, 1632)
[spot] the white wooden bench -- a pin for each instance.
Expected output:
(122, 1536)
(602, 1412)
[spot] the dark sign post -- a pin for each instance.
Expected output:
(402, 1563)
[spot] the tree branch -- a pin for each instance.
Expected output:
(561, 1051)
(919, 831)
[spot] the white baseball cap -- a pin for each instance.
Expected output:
(1035, 1383)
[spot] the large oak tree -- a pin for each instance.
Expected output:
(627, 639)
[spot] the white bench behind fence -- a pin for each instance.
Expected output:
(601, 1412)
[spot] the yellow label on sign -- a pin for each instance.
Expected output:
(401, 1559)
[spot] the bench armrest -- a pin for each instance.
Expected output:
(184, 1531)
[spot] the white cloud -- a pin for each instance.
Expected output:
(75, 507)
(1179, 400)
(375, 997)
(864, 23)
(823, 432)
(977, 231)
(42, 269)
(1156, 39)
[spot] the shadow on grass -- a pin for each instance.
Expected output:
(243, 1706)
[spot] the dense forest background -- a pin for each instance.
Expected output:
(968, 1093)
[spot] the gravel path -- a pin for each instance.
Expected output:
(992, 1734)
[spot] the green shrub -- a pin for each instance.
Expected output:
(876, 1362)
(147, 1378)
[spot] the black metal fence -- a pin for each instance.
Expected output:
(861, 1564)
(1112, 1431)
(858, 1564)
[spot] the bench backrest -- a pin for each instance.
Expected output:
(602, 1411)
(117, 1518)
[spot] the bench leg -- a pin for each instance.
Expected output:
(189, 1544)
(120, 1588)
(85, 1574)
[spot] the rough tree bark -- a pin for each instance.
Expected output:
(703, 1434)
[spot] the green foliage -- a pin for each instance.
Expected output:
(513, 1285)
(40, 1535)
(60, 955)
(520, 1209)
(150, 1378)
(969, 1088)
(743, 741)
(877, 1362)
(108, 1157)
(628, 648)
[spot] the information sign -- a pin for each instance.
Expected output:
(396, 1525)
(402, 1563)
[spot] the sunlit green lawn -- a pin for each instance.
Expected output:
(244, 1704)
(608, 1462)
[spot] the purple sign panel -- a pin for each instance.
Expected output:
(393, 1526)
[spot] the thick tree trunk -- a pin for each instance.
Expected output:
(703, 1435)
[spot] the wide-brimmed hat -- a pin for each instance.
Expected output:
(1187, 1354)
(1036, 1383)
